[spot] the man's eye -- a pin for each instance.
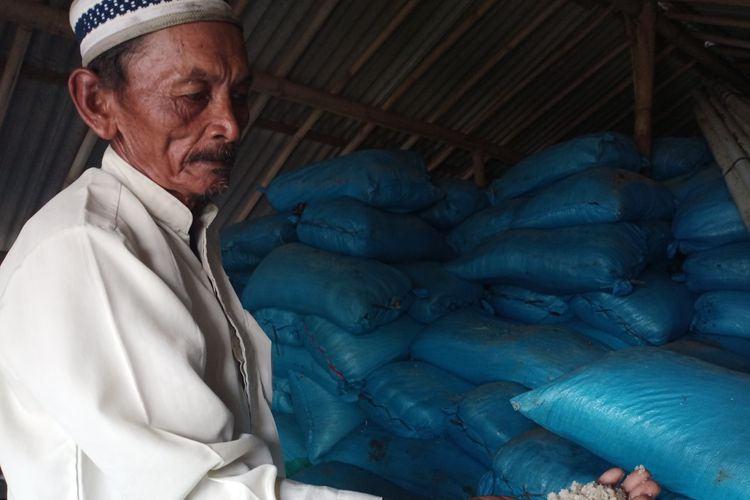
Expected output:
(197, 96)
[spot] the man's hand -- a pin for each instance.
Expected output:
(638, 485)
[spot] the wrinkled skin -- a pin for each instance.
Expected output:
(181, 113)
(638, 485)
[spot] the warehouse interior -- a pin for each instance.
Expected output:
(473, 86)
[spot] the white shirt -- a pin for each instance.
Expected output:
(128, 368)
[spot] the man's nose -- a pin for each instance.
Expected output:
(224, 120)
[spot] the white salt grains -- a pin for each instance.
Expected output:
(589, 491)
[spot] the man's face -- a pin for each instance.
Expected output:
(183, 108)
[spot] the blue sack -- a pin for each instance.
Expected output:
(286, 358)
(284, 327)
(348, 358)
(605, 149)
(258, 237)
(560, 261)
(707, 349)
(437, 291)
(596, 197)
(348, 477)
(412, 399)
(658, 238)
(292, 443)
(485, 420)
(722, 268)
(356, 294)
(483, 225)
(675, 156)
(281, 401)
(657, 311)
(609, 340)
(349, 227)
(434, 467)
(322, 416)
(722, 312)
(462, 198)
(707, 218)
(484, 349)
(528, 306)
(684, 419)
(538, 462)
(394, 180)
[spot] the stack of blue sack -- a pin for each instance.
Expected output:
(342, 301)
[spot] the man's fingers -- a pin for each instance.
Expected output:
(648, 489)
(638, 476)
(611, 477)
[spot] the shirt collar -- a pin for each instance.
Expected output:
(157, 200)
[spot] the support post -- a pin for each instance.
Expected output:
(642, 49)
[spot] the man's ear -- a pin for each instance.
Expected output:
(93, 102)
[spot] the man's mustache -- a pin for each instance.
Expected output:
(224, 154)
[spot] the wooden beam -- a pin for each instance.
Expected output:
(520, 36)
(503, 98)
(643, 49)
(709, 20)
(12, 68)
(449, 41)
(722, 40)
(281, 158)
(479, 173)
(284, 89)
(35, 16)
(729, 3)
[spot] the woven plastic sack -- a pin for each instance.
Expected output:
(281, 401)
(292, 443)
(259, 236)
(322, 416)
(349, 358)
(437, 291)
(286, 359)
(709, 350)
(722, 313)
(349, 227)
(284, 327)
(675, 156)
(657, 311)
(485, 420)
(356, 294)
(688, 185)
(348, 477)
(605, 149)
(723, 268)
(707, 218)
(684, 419)
(461, 199)
(658, 238)
(538, 462)
(596, 197)
(483, 225)
(395, 180)
(433, 467)
(610, 340)
(528, 306)
(412, 399)
(484, 349)
(560, 261)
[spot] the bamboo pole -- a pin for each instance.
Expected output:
(737, 106)
(503, 99)
(732, 159)
(12, 68)
(642, 49)
(82, 156)
(479, 172)
(722, 40)
(289, 59)
(278, 164)
(709, 20)
(35, 16)
(733, 124)
(516, 40)
(423, 67)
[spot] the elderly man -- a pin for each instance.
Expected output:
(128, 368)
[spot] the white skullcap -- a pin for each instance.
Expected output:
(100, 25)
